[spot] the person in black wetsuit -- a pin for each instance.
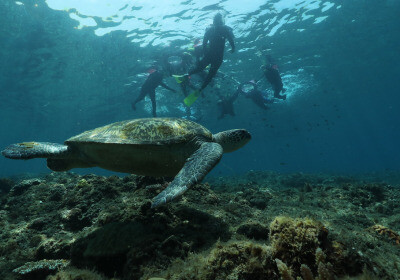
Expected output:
(225, 105)
(149, 88)
(197, 52)
(257, 96)
(271, 73)
(177, 64)
(216, 34)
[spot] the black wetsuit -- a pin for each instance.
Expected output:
(149, 88)
(225, 105)
(180, 69)
(273, 76)
(198, 52)
(256, 96)
(214, 54)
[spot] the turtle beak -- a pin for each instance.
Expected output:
(247, 135)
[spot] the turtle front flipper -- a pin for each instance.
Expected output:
(194, 170)
(29, 150)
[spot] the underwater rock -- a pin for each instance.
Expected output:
(73, 219)
(298, 243)
(200, 228)
(254, 231)
(234, 260)
(21, 187)
(297, 237)
(239, 260)
(256, 198)
(5, 185)
(76, 274)
(67, 216)
(124, 247)
(258, 203)
(296, 181)
(324, 270)
(386, 232)
(52, 248)
(38, 223)
(56, 192)
(172, 246)
(39, 269)
(107, 248)
(284, 270)
(143, 181)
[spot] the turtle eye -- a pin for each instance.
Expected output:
(243, 134)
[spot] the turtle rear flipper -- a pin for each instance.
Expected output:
(29, 150)
(194, 170)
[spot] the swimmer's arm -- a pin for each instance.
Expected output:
(230, 38)
(206, 39)
(167, 87)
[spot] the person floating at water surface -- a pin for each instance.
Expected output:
(250, 90)
(149, 88)
(271, 73)
(225, 105)
(213, 49)
(176, 64)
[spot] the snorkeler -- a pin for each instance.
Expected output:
(216, 34)
(177, 64)
(259, 97)
(225, 105)
(271, 73)
(149, 88)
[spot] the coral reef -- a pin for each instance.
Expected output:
(38, 269)
(293, 252)
(295, 241)
(261, 225)
(254, 231)
(389, 233)
(76, 274)
(5, 185)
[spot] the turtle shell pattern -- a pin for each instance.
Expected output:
(155, 131)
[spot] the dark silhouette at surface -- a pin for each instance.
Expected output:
(271, 73)
(225, 105)
(259, 97)
(149, 88)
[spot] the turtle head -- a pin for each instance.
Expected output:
(231, 140)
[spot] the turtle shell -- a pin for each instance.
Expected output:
(157, 131)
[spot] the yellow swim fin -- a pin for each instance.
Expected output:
(191, 98)
(180, 78)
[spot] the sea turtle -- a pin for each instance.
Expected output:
(150, 146)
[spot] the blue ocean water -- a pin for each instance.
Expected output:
(67, 68)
